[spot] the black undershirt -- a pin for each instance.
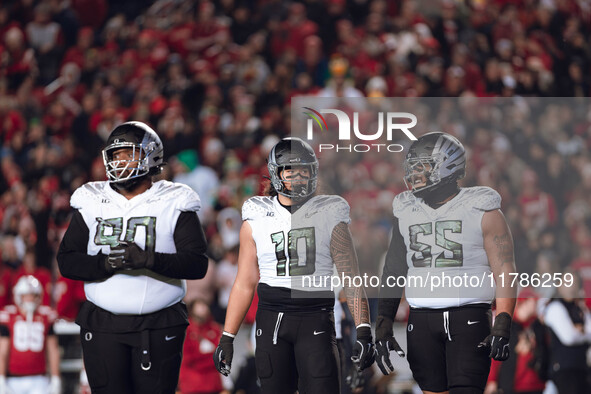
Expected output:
(293, 208)
(395, 266)
(435, 198)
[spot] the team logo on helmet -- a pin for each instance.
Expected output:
(146, 147)
(437, 156)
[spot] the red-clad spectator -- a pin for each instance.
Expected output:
(225, 52)
(314, 62)
(68, 296)
(18, 59)
(349, 42)
(6, 22)
(539, 210)
(198, 374)
(582, 266)
(291, 33)
(42, 274)
(5, 285)
(370, 61)
(58, 120)
(519, 374)
(102, 121)
(409, 13)
(66, 88)
(83, 44)
(45, 36)
(91, 12)
(151, 49)
(206, 28)
(473, 75)
(12, 122)
(180, 32)
(448, 26)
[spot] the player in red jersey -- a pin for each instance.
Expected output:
(26, 339)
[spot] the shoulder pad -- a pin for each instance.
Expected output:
(337, 207)
(88, 193)
(184, 198)
(256, 206)
(483, 198)
(44, 309)
(47, 311)
(402, 201)
(11, 309)
(4, 316)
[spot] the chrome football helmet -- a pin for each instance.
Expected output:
(287, 154)
(440, 157)
(27, 285)
(147, 152)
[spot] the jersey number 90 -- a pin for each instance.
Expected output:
(116, 228)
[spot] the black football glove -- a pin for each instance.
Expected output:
(129, 256)
(114, 261)
(363, 349)
(498, 340)
(222, 357)
(385, 342)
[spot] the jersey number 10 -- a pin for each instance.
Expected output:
(293, 236)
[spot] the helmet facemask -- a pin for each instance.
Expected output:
(299, 187)
(27, 286)
(124, 170)
(145, 155)
(434, 162)
(29, 306)
(417, 169)
(289, 154)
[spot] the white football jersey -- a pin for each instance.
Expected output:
(149, 220)
(446, 243)
(292, 246)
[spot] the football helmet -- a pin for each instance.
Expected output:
(289, 153)
(148, 153)
(440, 157)
(27, 285)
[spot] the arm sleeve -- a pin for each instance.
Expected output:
(395, 266)
(4, 331)
(73, 260)
(190, 260)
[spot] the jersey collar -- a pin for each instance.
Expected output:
(443, 209)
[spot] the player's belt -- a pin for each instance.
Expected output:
(481, 305)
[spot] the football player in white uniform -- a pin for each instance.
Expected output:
(133, 242)
(443, 230)
(288, 235)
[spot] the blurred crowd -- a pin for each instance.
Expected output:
(216, 78)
